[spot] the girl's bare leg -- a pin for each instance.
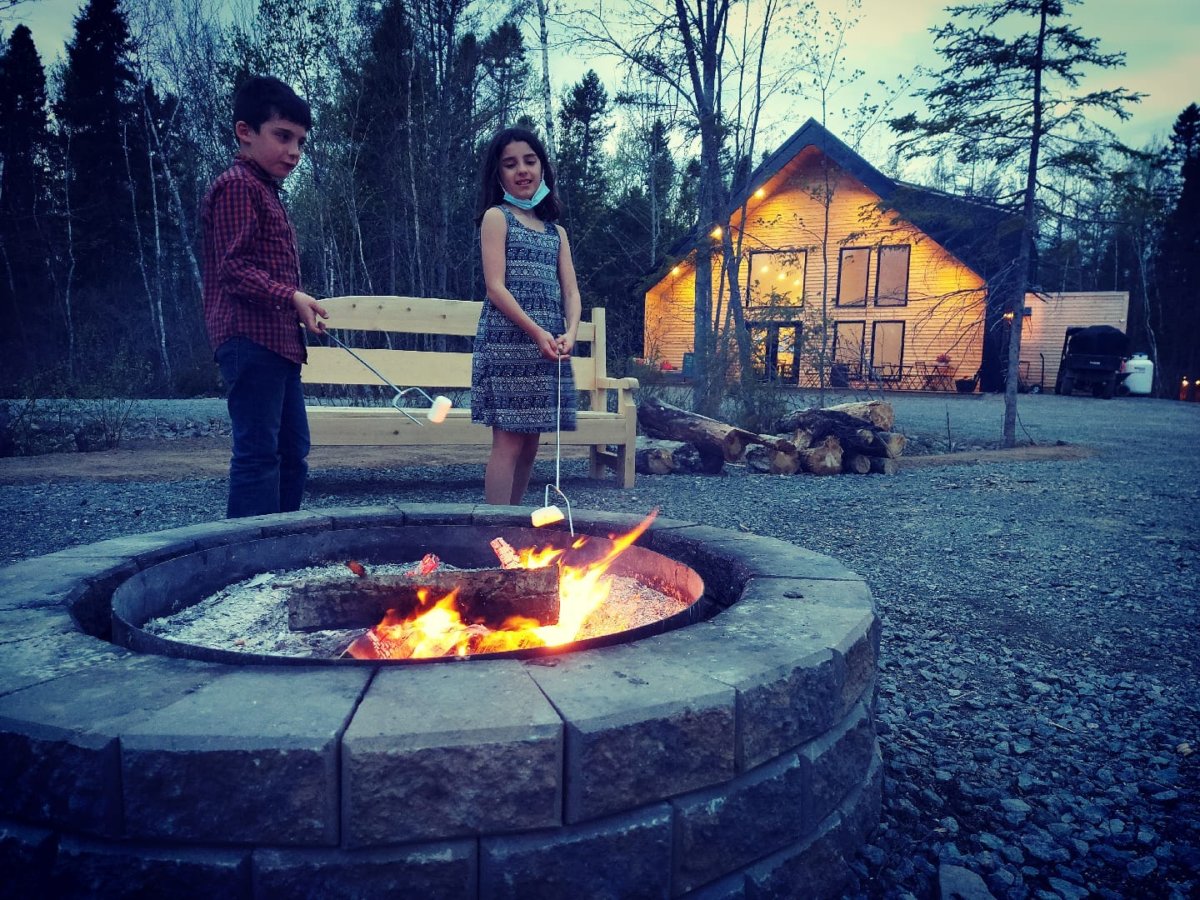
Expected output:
(507, 474)
(521, 473)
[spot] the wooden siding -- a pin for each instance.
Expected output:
(1051, 315)
(945, 309)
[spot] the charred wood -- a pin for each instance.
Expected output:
(484, 596)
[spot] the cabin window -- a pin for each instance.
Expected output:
(887, 350)
(776, 278)
(847, 351)
(891, 285)
(852, 276)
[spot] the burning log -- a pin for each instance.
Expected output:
(483, 596)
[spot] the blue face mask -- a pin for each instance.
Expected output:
(538, 196)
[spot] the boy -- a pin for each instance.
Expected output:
(253, 305)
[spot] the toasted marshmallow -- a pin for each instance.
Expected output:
(546, 515)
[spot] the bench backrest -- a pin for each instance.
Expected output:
(421, 315)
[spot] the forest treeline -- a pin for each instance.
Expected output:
(105, 158)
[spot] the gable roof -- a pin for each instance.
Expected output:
(982, 235)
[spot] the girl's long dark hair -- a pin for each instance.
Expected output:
(490, 191)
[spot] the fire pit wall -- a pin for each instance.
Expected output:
(735, 757)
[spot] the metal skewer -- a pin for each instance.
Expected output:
(438, 407)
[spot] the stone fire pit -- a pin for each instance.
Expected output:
(733, 757)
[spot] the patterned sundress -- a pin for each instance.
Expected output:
(514, 387)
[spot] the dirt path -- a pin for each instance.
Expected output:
(192, 458)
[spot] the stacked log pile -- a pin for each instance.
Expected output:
(852, 437)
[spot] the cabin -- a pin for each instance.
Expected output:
(844, 270)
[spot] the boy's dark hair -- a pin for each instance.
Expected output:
(491, 193)
(261, 97)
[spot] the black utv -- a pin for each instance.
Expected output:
(1092, 358)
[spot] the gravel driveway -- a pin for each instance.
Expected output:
(1038, 690)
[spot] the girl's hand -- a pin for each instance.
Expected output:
(565, 342)
(547, 344)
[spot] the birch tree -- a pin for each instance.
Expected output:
(695, 50)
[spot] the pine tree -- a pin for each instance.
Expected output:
(1177, 319)
(98, 117)
(1009, 94)
(582, 179)
(25, 292)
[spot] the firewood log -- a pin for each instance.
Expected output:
(802, 439)
(884, 465)
(856, 463)
(824, 459)
(778, 458)
(655, 457)
(488, 596)
(878, 412)
(662, 420)
(893, 443)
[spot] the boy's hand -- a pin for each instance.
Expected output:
(308, 309)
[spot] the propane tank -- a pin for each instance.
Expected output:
(1141, 374)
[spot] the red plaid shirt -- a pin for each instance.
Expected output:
(251, 263)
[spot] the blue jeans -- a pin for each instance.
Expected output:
(270, 429)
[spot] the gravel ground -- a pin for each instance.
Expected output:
(1038, 691)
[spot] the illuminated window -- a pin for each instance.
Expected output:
(848, 349)
(891, 284)
(852, 276)
(776, 278)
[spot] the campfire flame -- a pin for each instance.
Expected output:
(440, 630)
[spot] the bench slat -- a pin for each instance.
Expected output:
(341, 426)
(333, 365)
(415, 315)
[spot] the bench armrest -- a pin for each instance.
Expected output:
(620, 384)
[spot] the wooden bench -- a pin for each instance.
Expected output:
(609, 435)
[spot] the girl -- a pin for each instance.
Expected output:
(531, 314)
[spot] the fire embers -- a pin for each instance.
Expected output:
(442, 632)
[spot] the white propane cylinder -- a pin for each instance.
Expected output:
(1141, 374)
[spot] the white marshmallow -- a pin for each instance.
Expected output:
(441, 406)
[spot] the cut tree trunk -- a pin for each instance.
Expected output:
(855, 434)
(776, 458)
(856, 463)
(893, 443)
(824, 459)
(877, 412)
(655, 457)
(661, 420)
(485, 596)
(883, 465)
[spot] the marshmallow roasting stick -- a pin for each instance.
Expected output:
(439, 405)
(548, 514)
